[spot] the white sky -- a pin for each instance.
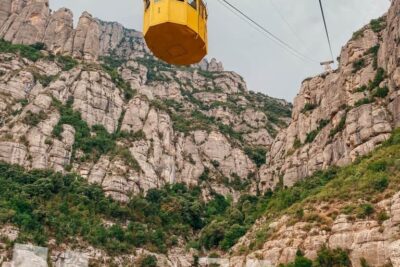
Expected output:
(265, 66)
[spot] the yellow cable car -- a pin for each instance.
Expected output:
(176, 30)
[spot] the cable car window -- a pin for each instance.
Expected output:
(193, 3)
(147, 4)
(203, 10)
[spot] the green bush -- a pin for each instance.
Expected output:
(44, 79)
(358, 34)
(364, 101)
(67, 62)
(378, 166)
(309, 107)
(25, 51)
(377, 25)
(297, 143)
(232, 235)
(379, 77)
(380, 183)
(358, 65)
(38, 46)
(381, 92)
(112, 61)
(33, 119)
(229, 131)
(256, 154)
(340, 127)
(361, 89)
(365, 210)
(332, 258)
(119, 81)
(44, 205)
(364, 263)
(374, 51)
(149, 261)
(311, 136)
(326, 258)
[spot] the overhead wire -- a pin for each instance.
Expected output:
(326, 28)
(289, 26)
(266, 32)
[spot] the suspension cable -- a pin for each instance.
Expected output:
(266, 32)
(326, 29)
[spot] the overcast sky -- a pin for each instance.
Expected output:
(265, 66)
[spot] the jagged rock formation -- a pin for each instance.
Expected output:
(344, 114)
(374, 241)
(186, 122)
(129, 123)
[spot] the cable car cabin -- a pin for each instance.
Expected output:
(176, 30)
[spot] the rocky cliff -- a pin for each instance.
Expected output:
(341, 115)
(338, 117)
(92, 100)
(96, 90)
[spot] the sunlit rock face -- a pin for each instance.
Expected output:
(179, 123)
(340, 115)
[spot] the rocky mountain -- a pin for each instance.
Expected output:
(342, 115)
(200, 170)
(98, 84)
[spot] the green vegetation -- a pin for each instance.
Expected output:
(274, 109)
(48, 205)
(148, 261)
(374, 176)
(358, 34)
(155, 68)
(325, 258)
(364, 101)
(67, 63)
(309, 107)
(377, 25)
(256, 154)
(93, 141)
(374, 88)
(358, 65)
(379, 77)
(313, 134)
(380, 92)
(374, 51)
(43, 79)
(113, 62)
(206, 74)
(33, 53)
(199, 121)
(231, 224)
(30, 52)
(33, 119)
(229, 131)
(297, 143)
(361, 89)
(119, 82)
(364, 210)
(196, 121)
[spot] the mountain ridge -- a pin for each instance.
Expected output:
(92, 100)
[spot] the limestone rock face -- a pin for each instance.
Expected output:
(27, 24)
(364, 239)
(59, 30)
(338, 116)
(179, 124)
